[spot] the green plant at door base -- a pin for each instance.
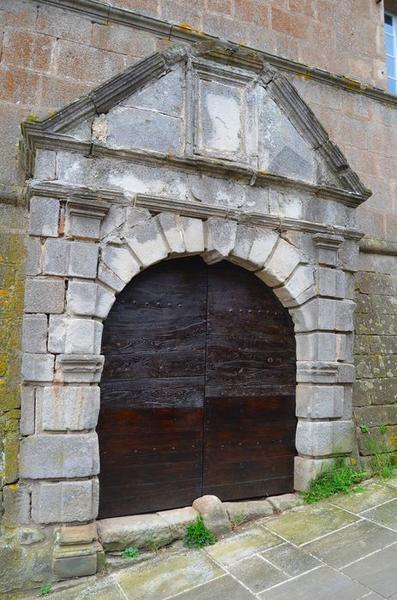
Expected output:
(339, 478)
(130, 553)
(198, 535)
(45, 589)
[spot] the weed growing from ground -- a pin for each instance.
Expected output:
(45, 589)
(339, 478)
(381, 461)
(130, 553)
(198, 535)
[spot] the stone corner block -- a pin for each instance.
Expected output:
(324, 438)
(319, 401)
(280, 265)
(44, 216)
(34, 333)
(57, 456)
(307, 469)
(67, 408)
(44, 295)
(38, 367)
(65, 501)
(214, 514)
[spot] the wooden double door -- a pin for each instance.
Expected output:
(198, 390)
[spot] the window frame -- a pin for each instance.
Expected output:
(391, 79)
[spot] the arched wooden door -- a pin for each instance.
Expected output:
(198, 390)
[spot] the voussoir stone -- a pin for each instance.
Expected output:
(214, 514)
(141, 531)
(241, 512)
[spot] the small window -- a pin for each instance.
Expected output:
(391, 51)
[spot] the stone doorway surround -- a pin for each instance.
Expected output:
(118, 182)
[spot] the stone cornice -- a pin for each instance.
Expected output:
(200, 210)
(105, 12)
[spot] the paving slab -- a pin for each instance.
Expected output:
(157, 579)
(370, 496)
(384, 515)
(224, 588)
(352, 543)
(306, 523)
(293, 561)
(257, 574)
(321, 584)
(377, 572)
(242, 545)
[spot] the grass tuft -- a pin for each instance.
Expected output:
(130, 553)
(338, 479)
(198, 535)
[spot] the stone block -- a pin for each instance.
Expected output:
(74, 336)
(140, 531)
(66, 567)
(164, 95)
(33, 256)
(349, 255)
(83, 218)
(38, 367)
(67, 408)
(28, 409)
(109, 278)
(172, 231)
(193, 234)
(322, 346)
(178, 519)
(44, 216)
(262, 245)
(331, 282)
(324, 314)
(307, 469)
(134, 128)
(324, 438)
(65, 501)
(214, 514)
(299, 288)
(319, 401)
(34, 333)
(285, 502)
(16, 504)
(376, 415)
(220, 235)
(77, 534)
(280, 265)
(247, 510)
(88, 298)
(44, 295)
(64, 257)
(47, 456)
(120, 260)
(147, 242)
(44, 166)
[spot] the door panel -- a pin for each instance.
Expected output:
(152, 391)
(198, 390)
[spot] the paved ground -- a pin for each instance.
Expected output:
(343, 549)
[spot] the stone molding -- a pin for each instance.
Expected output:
(241, 55)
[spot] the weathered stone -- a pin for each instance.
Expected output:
(121, 261)
(299, 287)
(33, 256)
(319, 401)
(44, 216)
(38, 367)
(172, 230)
(285, 502)
(27, 410)
(214, 514)
(321, 346)
(30, 535)
(44, 164)
(44, 295)
(78, 368)
(141, 531)
(74, 336)
(253, 246)
(220, 236)
(376, 415)
(64, 257)
(178, 519)
(280, 265)
(34, 333)
(67, 408)
(148, 243)
(193, 234)
(250, 541)
(16, 500)
(65, 501)
(49, 456)
(291, 560)
(256, 574)
(79, 563)
(322, 438)
(243, 511)
(77, 534)
(324, 314)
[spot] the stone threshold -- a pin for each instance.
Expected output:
(151, 531)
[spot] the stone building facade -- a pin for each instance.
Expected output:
(219, 130)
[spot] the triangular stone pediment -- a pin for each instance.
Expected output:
(199, 106)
